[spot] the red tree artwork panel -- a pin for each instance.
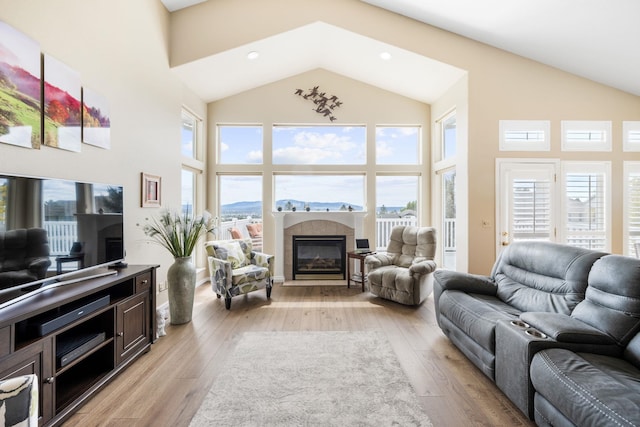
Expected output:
(62, 106)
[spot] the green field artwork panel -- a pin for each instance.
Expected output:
(20, 82)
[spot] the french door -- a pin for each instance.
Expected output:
(526, 201)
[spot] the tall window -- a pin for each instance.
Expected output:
(188, 191)
(396, 204)
(586, 209)
(189, 135)
(448, 136)
(448, 234)
(240, 144)
(319, 167)
(397, 145)
(444, 152)
(192, 151)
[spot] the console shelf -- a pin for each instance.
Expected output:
(78, 336)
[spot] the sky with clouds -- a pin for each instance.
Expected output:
(320, 145)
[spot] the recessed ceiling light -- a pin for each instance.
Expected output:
(253, 55)
(385, 55)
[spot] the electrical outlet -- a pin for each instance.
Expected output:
(162, 286)
(486, 223)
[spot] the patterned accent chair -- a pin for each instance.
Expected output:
(19, 401)
(404, 272)
(236, 269)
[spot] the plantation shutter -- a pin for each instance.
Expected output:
(531, 209)
(633, 211)
(586, 209)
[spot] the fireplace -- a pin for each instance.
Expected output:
(319, 257)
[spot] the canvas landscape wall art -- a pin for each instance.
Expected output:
(20, 79)
(96, 125)
(62, 108)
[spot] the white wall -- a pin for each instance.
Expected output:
(120, 49)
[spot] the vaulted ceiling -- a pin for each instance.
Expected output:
(590, 38)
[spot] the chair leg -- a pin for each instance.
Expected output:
(227, 302)
(268, 292)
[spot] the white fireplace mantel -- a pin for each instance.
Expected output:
(284, 220)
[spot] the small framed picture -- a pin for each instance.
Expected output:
(151, 190)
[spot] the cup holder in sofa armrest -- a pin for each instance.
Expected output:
(535, 333)
(520, 324)
(566, 329)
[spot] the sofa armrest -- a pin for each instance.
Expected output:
(566, 329)
(220, 274)
(263, 260)
(39, 265)
(423, 267)
(378, 260)
(473, 283)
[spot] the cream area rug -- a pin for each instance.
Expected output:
(311, 379)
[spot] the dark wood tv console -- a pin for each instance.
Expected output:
(80, 357)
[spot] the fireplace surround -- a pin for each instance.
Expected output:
(288, 224)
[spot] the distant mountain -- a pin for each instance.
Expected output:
(253, 208)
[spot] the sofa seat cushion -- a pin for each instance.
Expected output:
(476, 315)
(588, 389)
(249, 273)
(390, 276)
(393, 283)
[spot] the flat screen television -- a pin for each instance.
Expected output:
(83, 222)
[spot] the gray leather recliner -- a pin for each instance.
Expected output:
(596, 382)
(404, 272)
(24, 256)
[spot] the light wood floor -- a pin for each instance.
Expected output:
(166, 386)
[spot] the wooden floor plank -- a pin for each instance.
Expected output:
(166, 386)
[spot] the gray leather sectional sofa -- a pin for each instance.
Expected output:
(556, 327)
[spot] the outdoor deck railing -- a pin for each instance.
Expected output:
(62, 234)
(384, 226)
